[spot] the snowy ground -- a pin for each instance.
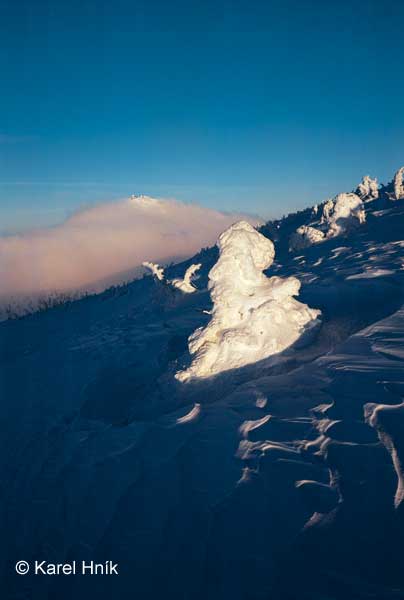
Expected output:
(265, 482)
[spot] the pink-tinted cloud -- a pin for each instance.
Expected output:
(98, 242)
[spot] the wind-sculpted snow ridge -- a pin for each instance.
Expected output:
(253, 316)
(368, 189)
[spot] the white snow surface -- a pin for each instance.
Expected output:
(253, 316)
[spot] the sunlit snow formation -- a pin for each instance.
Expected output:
(399, 184)
(339, 216)
(304, 237)
(347, 213)
(185, 284)
(155, 269)
(253, 316)
(368, 189)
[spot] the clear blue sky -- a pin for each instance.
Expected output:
(264, 106)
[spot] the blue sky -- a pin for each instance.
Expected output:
(261, 106)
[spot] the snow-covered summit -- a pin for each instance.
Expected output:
(143, 199)
(253, 316)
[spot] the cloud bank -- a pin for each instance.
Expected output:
(99, 242)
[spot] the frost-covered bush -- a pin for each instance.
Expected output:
(253, 316)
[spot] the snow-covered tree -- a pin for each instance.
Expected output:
(185, 284)
(304, 237)
(253, 316)
(368, 189)
(399, 184)
(347, 213)
(155, 269)
(328, 207)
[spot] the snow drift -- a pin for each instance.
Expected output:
(253, 316)
(97, 243)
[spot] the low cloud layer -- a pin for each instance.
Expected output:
(97, 243)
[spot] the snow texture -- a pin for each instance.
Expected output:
(253, 316)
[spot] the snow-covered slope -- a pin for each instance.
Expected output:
(279, 479)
